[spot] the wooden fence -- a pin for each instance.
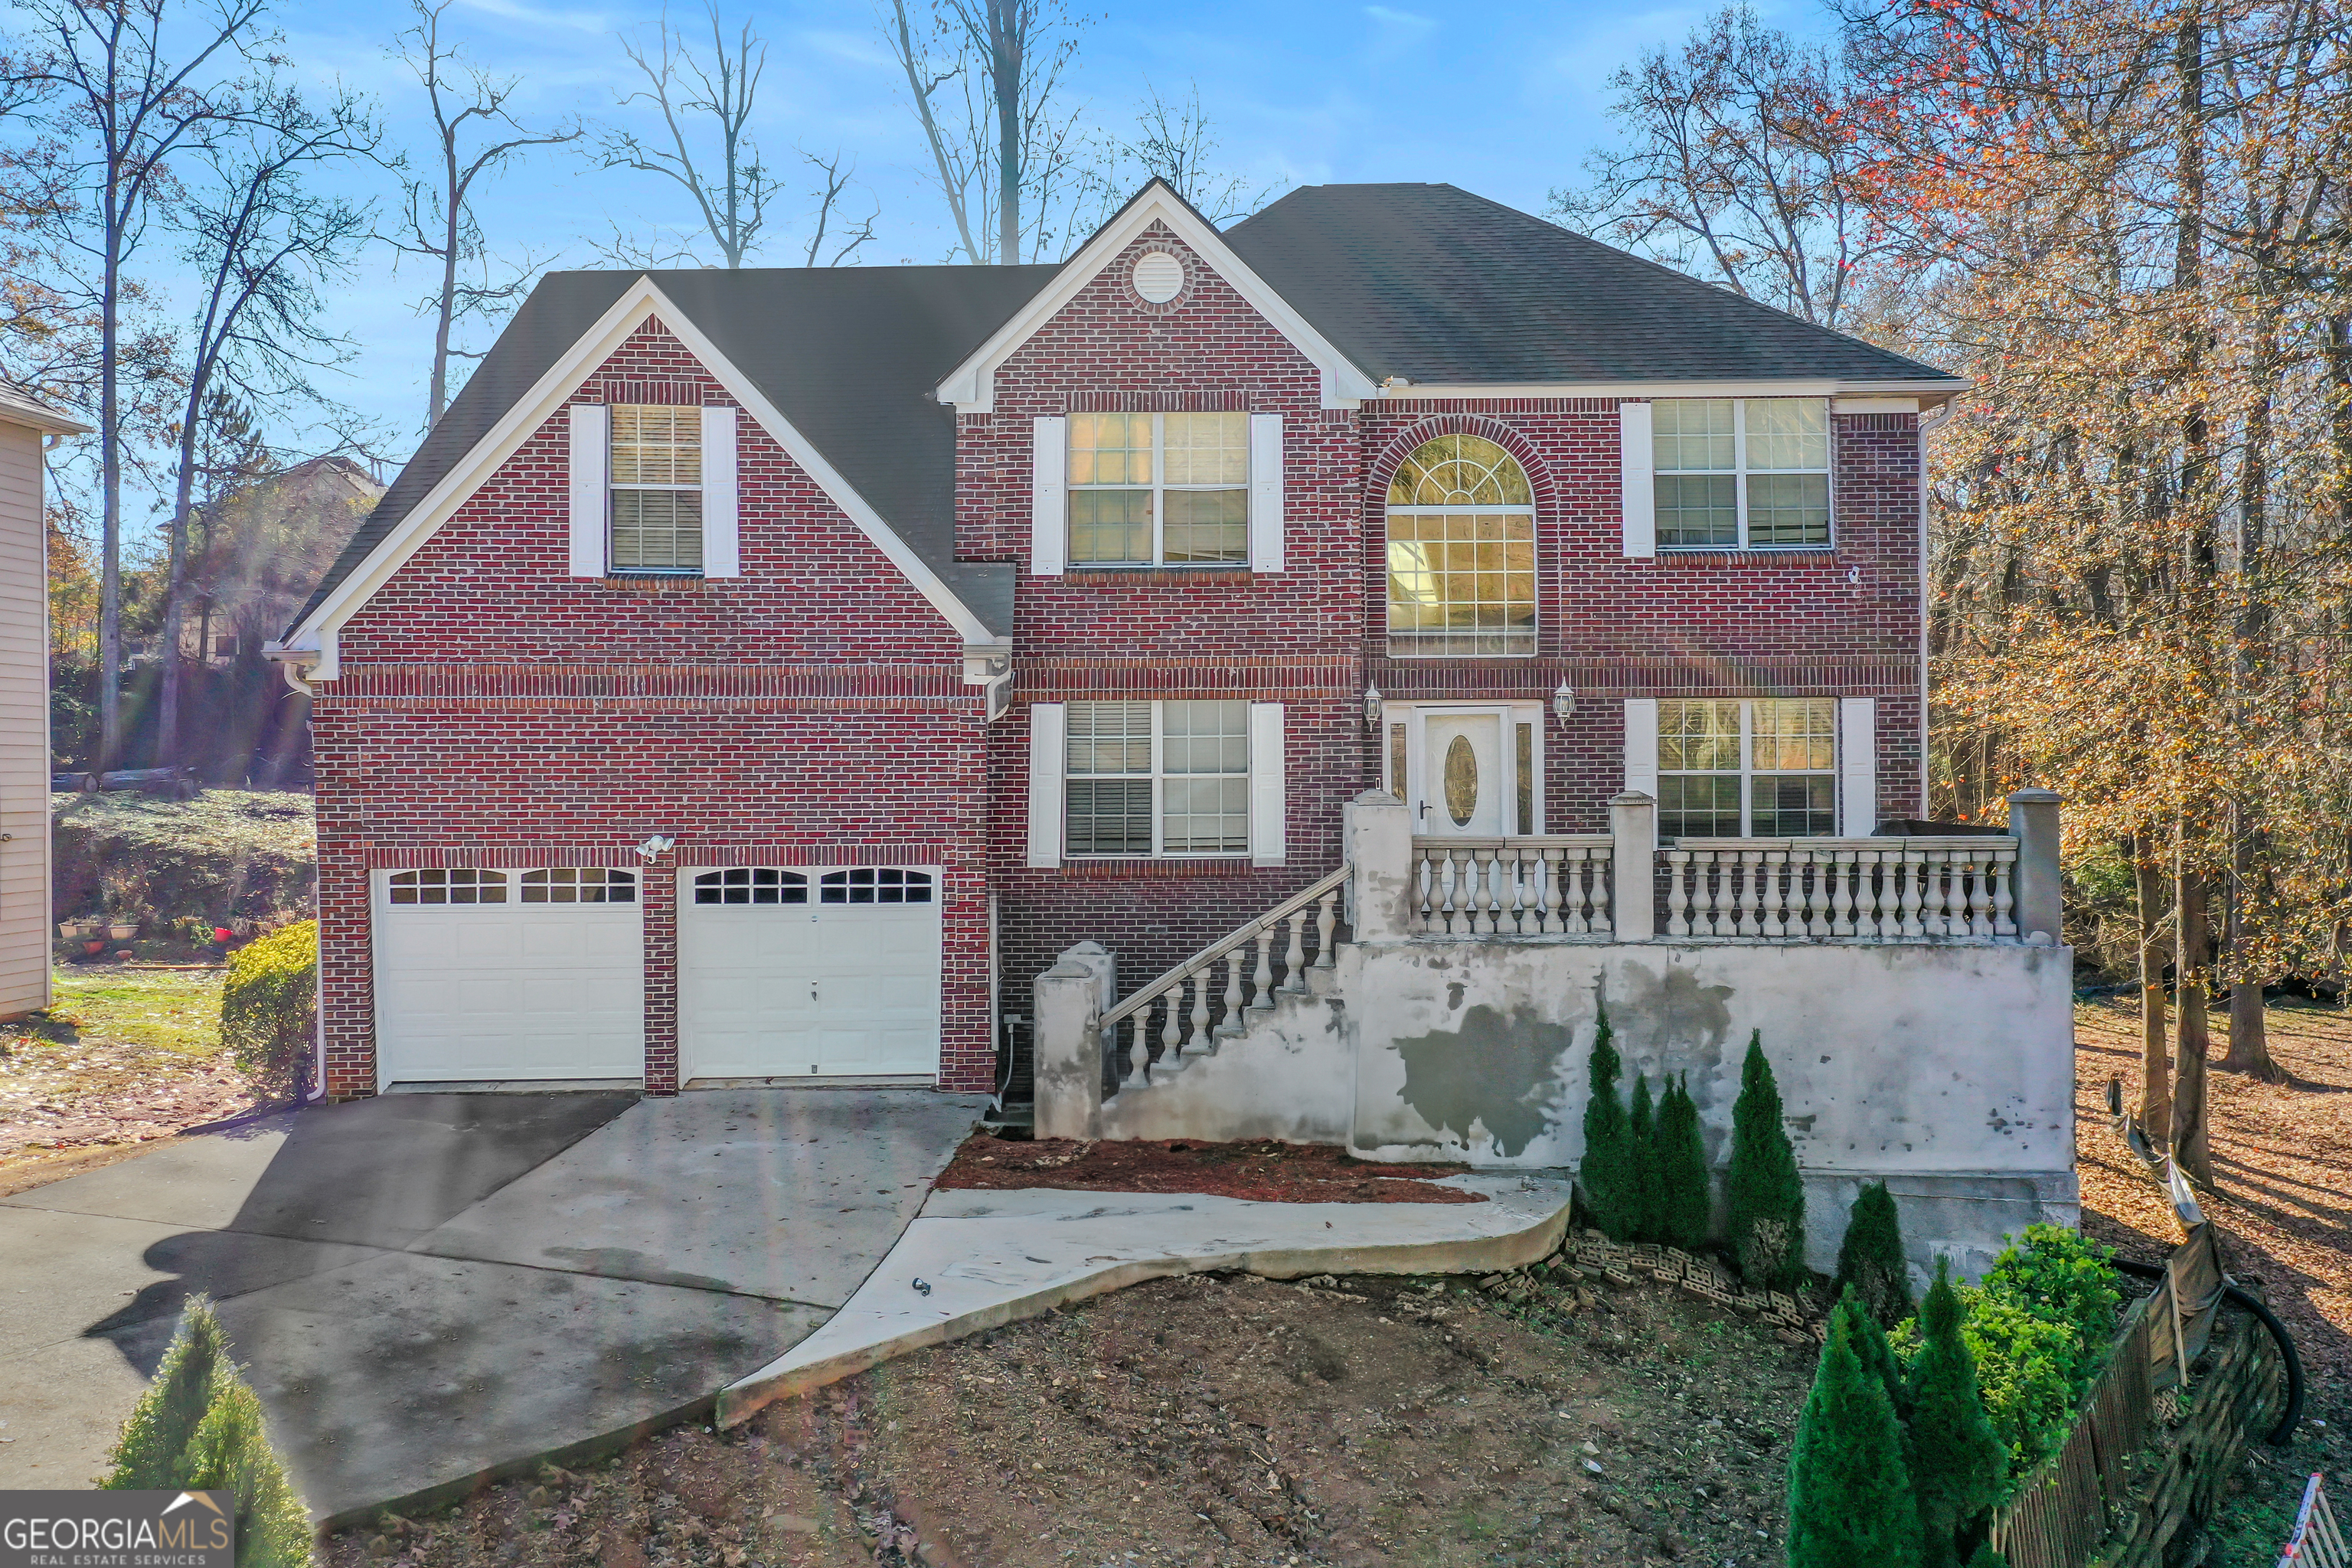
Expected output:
(2063, 1512)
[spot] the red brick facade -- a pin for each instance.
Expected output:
(493, 710)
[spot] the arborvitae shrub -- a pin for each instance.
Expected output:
(231, 1453)
(1960, 1467)
(1606, 1174)
(1877, 1356)
(152, 1453)
(1686, 1195)
(1641, 1142)
(269, 1010)
(1767, 1199)
(1870, 1259)
(1850, 1502)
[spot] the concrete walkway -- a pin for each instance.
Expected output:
(976, 1259)
(430, 1288)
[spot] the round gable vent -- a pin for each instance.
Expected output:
(1159, 277)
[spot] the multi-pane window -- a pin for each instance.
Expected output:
(1461, 552)
(656, 488)
(579, 885)
(875, 885)
(1765, 769)
(750, 885)
(1736, 473)
(1158, 778)
(1159, 489)
(462, 885)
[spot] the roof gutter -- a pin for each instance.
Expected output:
(310, 655)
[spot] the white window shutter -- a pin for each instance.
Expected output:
(1642, 745)
(588, 440)
(1049, 501)
(1048, 730)
(1266, 492)
(1269, 838)
(1857, 744)
(1637, 460)
(722, 555)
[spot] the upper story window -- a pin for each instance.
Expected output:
(1461, 551)
(1765, 769)
(1741, 473)
(1159, 489)
(1158, 778)
(656, 484)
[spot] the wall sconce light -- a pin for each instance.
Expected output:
(1372, 707)
(1563, 703)
(654, 848)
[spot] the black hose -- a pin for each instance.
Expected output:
(2283, 1433)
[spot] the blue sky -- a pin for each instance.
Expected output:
(1504, 98)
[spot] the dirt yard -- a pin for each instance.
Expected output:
(1216, 1420)
(125, 1057)
(1267, 1172)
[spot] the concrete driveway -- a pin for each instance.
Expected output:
(426, 1288)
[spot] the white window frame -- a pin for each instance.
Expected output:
(1158, 776)
(701, 488)
(1740, 473)
(1533, 640)
(1414, 720)
(1749, 772)
(1159, 489)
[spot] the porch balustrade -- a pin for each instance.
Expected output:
(1555, 885)
(1840, 890)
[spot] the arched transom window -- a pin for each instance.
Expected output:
(1462, 551)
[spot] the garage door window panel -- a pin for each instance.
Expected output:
(875, 885)
(750, 885)
(579, 885)
(460, 884)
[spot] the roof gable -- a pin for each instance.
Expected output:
(970, 386)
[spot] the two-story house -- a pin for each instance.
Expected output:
(762, 675)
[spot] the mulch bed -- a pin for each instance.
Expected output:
(1267, 1172)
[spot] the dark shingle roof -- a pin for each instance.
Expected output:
(1435, 284)
(850, 355)
(1425, 281)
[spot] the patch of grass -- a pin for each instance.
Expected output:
(177, 1011)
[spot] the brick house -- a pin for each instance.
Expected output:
(763, 675)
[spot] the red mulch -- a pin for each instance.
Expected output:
(1267, 1172)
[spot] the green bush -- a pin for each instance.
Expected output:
(1958, 1464)
(2022, 1365)
(1767, 1198)
(199, 1426)
(1686, 1195)
(1850, 1502)
(1642, 1148)
(226, 855)
(2065, 1278)
(269, 1010)
(1870, 1259)
(1605, 1173)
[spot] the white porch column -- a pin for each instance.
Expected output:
(1634, 826)
(1378, 831)
(1069, 1001)
(2039, 911)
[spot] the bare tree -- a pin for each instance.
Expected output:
(466, 102)
(261, 242)
(1004, 146)
(732, 190)
(834, 174)
(1734, 167)
(1173, 142)
(124, 89)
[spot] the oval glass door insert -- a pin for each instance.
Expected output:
(1461, 781)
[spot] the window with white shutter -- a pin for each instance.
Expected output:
(1266, 500)
(587, 487)
(721, 554)
(1858, 766)
(1639, 488)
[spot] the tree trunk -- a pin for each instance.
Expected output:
(109, 484)
(2191, 1135)
(2249, 1045)
(1006, 45)
(2155, 1053)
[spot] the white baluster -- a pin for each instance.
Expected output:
(1815, 872)
(1262, 978)
(1943, 896)
(1911, 863)
(1172, 1029)
(1841, 866)
(2004, 862)
(1233, 1022)
(1749, 918)
(1326, 928)
(1293, 958)
(1197, 1043)
(1678, 892)
(1483, 892)
(1550, 916)
(1776, 909)
(1603, 919)
(1717, 894)
(1980, 894)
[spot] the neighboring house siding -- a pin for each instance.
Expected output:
(1287, 637)
(24, 727)
(495, 711)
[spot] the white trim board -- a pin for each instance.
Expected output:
(971, 385)
(1795, 386)
(642, 299)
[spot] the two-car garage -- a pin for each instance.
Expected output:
(488, 976)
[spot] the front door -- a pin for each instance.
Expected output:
(1465, 787)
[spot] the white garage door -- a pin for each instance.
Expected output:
(488, 976)
(809, 974)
